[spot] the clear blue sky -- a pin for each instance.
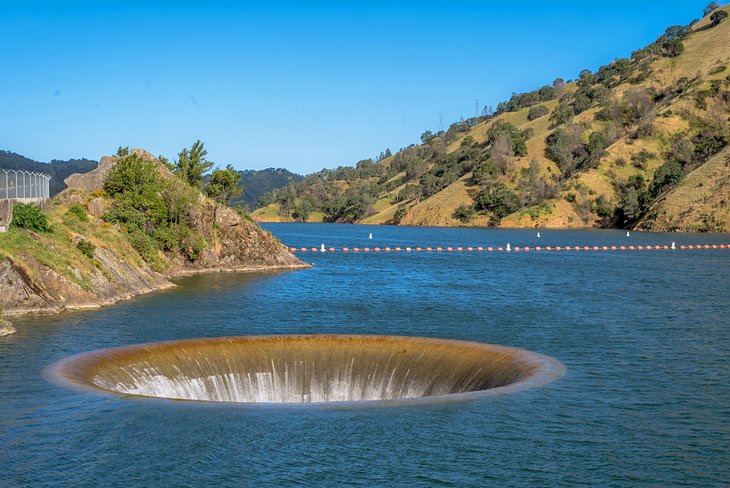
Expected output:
(301, 85)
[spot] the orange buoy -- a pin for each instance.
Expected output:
(428, 249)
(344, 249)
(332, 249)
(314, 249)
(304, 249)
(526, 249)
(500, 249)
(714, 246)
(449, 249)
(459, 249)
(548, 248)
(470, 249)
(706, 246)
(558, 248)
(376, 249)
(666, 248)
(682, 246)
(408, 249)
(397, 249)
(538, 248)
(595, 248)
(490, 249)
(480, 249)
(292, 249)
(438, 249)
(604, 248)
(631, 248)
(387, 249)
(418, 249)
(365, 249)
(516, 249)
(355, 249)
(613, 248)
(623, 248)
(722, 246)
(690, 246)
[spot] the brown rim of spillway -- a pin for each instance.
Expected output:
(314, 369)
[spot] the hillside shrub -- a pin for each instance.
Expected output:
(537, 112)
(666, 177)
(498, 199)
(29, 216)
(464, 213)
(78, 212)
(87, 248)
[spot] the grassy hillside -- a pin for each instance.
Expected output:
(604, 150)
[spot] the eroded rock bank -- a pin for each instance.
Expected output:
(46, 273)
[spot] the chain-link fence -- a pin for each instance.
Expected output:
(19, 185)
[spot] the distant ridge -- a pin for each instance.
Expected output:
(59, 170)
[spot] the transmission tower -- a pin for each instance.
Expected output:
(441, 121)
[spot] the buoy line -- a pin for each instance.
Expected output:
(507, 248)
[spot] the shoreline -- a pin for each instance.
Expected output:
(54, 309)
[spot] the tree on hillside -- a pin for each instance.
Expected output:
(718, 16)
(502, 152)
(123, 151)
(712, 6)
(192, 164)
(223, 185)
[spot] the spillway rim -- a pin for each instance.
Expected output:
(547, 369)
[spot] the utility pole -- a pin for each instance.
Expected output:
(476, 108)
(441, 121)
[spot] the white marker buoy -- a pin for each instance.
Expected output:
(674, 246)
(509, 248)
(321, 248)
(538, 235)
(370, 236)
(628, 234)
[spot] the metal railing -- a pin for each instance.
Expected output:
(20, 185)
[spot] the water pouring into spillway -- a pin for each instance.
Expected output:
(309, 369)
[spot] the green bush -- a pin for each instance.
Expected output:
(29, 216)
(464, 213)
(498, 199)
(665, 177)
(78, 212)
(86, 248)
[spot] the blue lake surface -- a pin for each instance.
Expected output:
(645, 338)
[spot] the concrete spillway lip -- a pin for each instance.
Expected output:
(471, 369)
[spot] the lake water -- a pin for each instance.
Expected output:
(645, 338)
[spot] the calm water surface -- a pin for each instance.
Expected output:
(645, 337)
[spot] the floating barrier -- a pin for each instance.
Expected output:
(509, 249)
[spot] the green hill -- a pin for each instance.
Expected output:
(611, 149)
(258, 182)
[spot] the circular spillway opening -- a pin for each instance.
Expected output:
(309, 369)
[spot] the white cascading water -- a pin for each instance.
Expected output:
(305, 369)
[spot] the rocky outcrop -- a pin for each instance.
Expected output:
(234, 243)
(28, 286)
(6, 328)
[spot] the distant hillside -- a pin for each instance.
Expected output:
(258, 182)
(625, 145)
(59, 170)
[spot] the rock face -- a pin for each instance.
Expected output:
(235, 243)
(6, 328)
(27, 286)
